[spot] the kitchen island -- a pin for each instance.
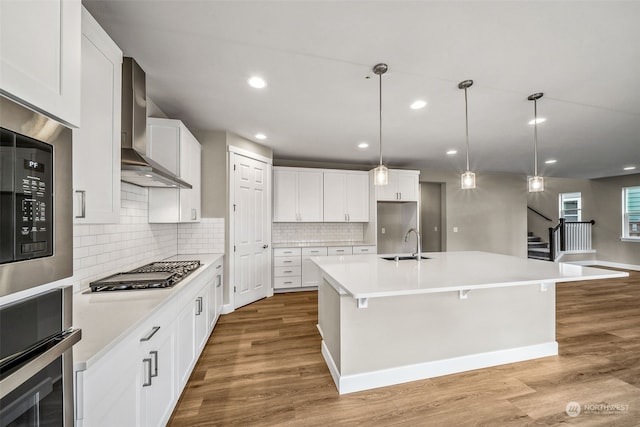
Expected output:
(388, 322)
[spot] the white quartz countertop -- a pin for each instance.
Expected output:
(106, 317)
(321, 244)
(369, 276)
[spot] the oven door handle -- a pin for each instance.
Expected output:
(38, 363)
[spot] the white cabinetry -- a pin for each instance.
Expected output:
(310, 273)
(293, 268)
(192, 330)
(216, 295)
(139, 380)
(156, 359)
(297, 195)
(40, 56)
(346, 196)
(172, 145)
(402, 186)
(96, 144)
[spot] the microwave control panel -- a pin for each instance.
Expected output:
(28, 189)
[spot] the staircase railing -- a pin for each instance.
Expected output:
(539, 213)
(569, 236)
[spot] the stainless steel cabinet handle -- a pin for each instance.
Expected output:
(287, 262)
(289, 271)
(148, 362)
(288, 283)
(265, 246)
(83, 204)
(155, 365)
(218, 266)
(151, 334)
(339, 250)
(219, 282)
(199, 304)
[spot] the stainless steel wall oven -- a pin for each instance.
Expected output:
(36, 229)
(36, 361)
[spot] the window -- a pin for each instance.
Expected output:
(571, 206)
(631, 213)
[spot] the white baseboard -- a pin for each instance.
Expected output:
(285, 290)
(617, 265)
(227, 308)
(386, 377)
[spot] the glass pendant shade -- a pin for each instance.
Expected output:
(536, 183)
(468, 180)
(381, 175)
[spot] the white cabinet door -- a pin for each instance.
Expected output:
(357, 197)
(310, 272)
(285, 195)
(310, 196)
(215, 295)
(407, 187)
(171, 144)
(40, 53)
(335, 197)
(157, 374)
(297, 195)
(402, 186)
(96, 144)
(185, 343)
(346, 196)
(388, 192)
(163, 143)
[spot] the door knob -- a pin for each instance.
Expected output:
(265, 246)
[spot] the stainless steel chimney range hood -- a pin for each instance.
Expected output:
(136, 166)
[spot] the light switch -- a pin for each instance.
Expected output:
(455, 229)
(383, 230)
(435, 228)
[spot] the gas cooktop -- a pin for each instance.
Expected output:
(162, 274)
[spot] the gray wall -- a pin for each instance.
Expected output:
(491, 218)
(431, 216)
(602, 202)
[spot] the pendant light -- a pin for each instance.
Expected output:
(381, 173)
(467, 179)
(536, 183)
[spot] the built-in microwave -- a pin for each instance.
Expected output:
(36, 236)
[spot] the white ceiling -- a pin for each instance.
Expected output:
(316, 57)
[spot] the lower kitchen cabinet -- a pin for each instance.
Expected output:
(294, 270)
(138, 381)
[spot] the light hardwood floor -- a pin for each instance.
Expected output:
(262, 367)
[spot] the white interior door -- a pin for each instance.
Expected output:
(252, 269)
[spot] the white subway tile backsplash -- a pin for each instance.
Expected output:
(206, 236)
(317, 232)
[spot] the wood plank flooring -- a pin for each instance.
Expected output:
(262, 367)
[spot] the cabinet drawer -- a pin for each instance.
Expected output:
(286, 261)
(286, 282)
(286, 251)
(286, 271)
(321, 251)
(364, 250)
(340, 250)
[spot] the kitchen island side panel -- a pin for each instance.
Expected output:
(329, 320)
(416, 329)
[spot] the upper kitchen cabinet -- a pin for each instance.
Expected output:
(346, 196)
(297, 195)
(40, 56)
(170, 143)
(402, 187)
(96, 144)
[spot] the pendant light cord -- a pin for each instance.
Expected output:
(466, 117)
(380, 104)
(535, 137)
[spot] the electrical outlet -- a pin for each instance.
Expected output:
(455, 229)
(383, 230)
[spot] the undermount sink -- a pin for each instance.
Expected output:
(402, 258)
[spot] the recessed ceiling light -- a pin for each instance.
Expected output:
(148, 175)
(538, 120)
(363, 145)
(260, 136)
(452, 152)
(550, 161)
(629, 168)
(418, 104)
(257, 82)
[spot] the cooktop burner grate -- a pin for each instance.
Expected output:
(161, 274)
